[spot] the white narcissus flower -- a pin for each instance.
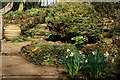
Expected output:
(80, 52)
(93, 52)
(83, 56)
(71, 54)
(112, 21)
(106, 54)
(68, 50)
(66, 56)
(113, 60)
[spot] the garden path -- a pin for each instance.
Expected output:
(18, 67)
(15, 47)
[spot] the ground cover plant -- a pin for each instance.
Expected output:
(39, 52)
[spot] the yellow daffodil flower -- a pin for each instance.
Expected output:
(86, 61)
(71, 54)
(83, 56)
(66, 56)
(80, 52)
(113, 60)
(68, 50)
(106, 54)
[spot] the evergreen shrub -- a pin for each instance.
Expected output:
(70, 19)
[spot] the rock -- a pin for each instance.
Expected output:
(12, 31)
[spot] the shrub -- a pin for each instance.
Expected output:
(75, 19)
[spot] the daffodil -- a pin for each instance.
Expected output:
(68, 50)
(113, 60)
(106, 54)
(81, 61)
(83, 56)
(71, 54)
(80, 52)
(93, 52)
(86, 61)
(66, 56)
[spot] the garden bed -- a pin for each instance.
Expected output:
(76, 36)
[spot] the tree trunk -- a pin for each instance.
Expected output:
(47, 2)
(53, 2)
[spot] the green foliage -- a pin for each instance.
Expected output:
(74, 19)
(80, 40)
(96, 63)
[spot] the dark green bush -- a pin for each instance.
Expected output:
(75, 19)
